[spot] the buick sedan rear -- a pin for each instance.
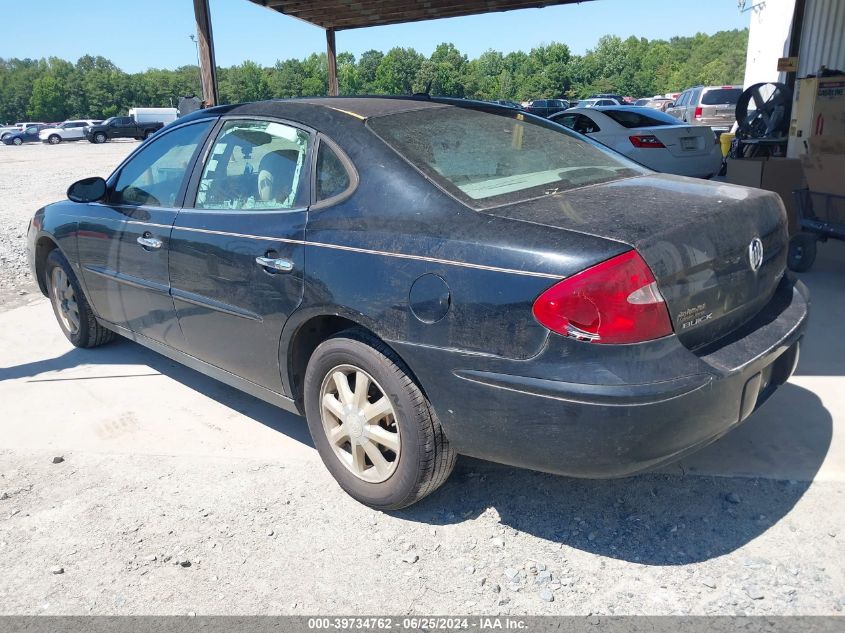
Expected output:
(422, 278)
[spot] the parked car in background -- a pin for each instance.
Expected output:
(121, 127)
(17, 127)
(536, 299)
(619, 99)
(509, 104)
(546, 107)
(651, 138)
(595, 103)
(27, 135)
(658, 103)
(642, 102)
(714, 106)
(67, 131)
(151, 115)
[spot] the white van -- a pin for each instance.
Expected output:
(151, 115)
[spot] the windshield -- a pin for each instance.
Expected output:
(721, 96)
(109, 120)
(487, 160)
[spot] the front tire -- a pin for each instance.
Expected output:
(17, 141)
(75, 317)
(99, 137)
(54, 139)
(373, 427)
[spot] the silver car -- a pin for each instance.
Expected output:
(707, 105)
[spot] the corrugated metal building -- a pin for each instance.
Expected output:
(816, 26)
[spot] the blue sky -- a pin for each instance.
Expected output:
(243, 30)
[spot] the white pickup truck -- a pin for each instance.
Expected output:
(71, 130)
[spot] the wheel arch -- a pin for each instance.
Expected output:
(44, 245)
(301, 338)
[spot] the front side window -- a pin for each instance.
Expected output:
(489, 159)
(154, 176)
(253, 165)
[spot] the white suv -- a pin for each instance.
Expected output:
(67, 131)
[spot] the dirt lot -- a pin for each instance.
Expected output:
(31, 176)
(177, 494)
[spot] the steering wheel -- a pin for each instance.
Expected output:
(770, 116)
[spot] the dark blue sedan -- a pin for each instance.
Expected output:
(427, 277)
(27, 135)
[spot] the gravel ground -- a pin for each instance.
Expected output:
(31, 176)
(168, 535)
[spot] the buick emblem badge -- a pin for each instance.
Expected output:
(755, 253)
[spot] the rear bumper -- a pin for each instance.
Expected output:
(591, 416)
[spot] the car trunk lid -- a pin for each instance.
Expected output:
(682, 140)
(696, 237)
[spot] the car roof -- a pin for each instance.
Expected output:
(318, 112)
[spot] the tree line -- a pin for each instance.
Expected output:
(55, 89)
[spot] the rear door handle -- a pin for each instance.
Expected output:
(148, 241)
(278, 264)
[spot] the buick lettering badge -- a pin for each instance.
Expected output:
(755, 253)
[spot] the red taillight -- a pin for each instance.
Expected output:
(616, 301)
(645, 140)
(698, 112)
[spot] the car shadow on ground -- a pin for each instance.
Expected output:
(652, 519)
(123, 352)
(673, 517)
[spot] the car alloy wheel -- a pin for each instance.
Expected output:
(100, 137)
(360, 423)
(54, 139)
(17, 141)
(64, 300)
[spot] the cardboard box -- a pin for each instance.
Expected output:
(825, 173)
(780, 175)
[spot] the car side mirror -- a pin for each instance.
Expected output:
(87, 190)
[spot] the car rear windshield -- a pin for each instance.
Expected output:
(487, 160)
(633, 119)
(721, 96)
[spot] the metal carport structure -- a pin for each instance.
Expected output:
(337, 15)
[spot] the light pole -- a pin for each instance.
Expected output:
(197, 47)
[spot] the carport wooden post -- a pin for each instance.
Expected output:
(208, 65)
(331, 58)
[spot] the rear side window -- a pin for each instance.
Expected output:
(721, 96)
(631, 119)
(486, 159)
(332, 177)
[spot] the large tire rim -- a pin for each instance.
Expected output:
(54, 139)
(360, 423)
(100, 138)
(17, 141)
(64, 300)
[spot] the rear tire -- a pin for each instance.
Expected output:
(413, 456)
(802, 252)
(99, 137)
(148, 134)
(75, 317)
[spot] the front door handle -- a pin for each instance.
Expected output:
(148, 241)
(278, 264)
